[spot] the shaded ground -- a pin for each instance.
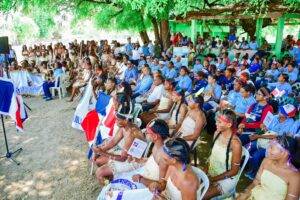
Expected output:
(53, 160)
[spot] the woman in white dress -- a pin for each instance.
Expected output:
(82, 81)
(194, 121)
(180, 182)
(178, 111)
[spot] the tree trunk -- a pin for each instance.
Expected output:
(165, 34)
(156, 30)
(249, 25)
(144, 36)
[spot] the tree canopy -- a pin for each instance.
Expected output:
(142, 15)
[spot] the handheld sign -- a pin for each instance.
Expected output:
(277, 93)
(137, 148)
(268, 119)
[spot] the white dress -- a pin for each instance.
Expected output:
(187, 128)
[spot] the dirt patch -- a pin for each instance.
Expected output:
(53, 160)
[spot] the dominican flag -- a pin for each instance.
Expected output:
(99, 123)
(11, 103)
(82, 108)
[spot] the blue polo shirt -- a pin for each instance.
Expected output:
(197, 68)
(171, 73)
(177, 65)
(293, 75)
(154, 68)
(198, 85)
(281, 86)
(217, 90)
(281, 127)
(295, 129)
(242, 104)
(255, 67)
(273, 73)
(184, 83)
(143, 85)
(228, 83)
(233, 96)
(130, 74)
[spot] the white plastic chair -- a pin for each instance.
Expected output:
(59, 87)
(204, 182)
(137, 110)
(246, 155)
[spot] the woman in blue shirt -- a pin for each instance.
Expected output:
(144, 82)
(170, 73)
(246, 99)
(212, 93)
(282, 84)
(184, 81)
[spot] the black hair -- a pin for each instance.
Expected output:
(160, 127)
(125, 103)
(182, 94)
(232, 116)
(285, 76)
(201, 74)
(172, 81)
(199, 100)
(214, 76)
(127, 89)
(288, 142)
(179, 149)
(231, 70)
(185, 69)
(249, 88)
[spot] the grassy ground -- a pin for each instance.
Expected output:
(203, 150)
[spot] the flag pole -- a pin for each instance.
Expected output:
(94, 142)
(9, 155)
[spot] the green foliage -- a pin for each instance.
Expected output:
(24, 30)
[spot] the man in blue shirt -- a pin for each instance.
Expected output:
(131, 73)
(143, 83)
(155, 66)
(235, 94)
(200, 81)
(145, 49)
(51, 83)
(177, 63)
(226, 81)
(171, 73)
(282, 84)
(253, 45)
(129, 47)
(197, 67)
(292, 72)
(184, 81)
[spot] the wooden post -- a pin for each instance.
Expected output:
(258, 32)
(193, 30)
(279, 36)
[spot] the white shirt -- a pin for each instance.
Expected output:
(156, 93)
(135, 54)
(122, 70)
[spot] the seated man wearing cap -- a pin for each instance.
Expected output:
(154, 169)
(281, 124)
(112, 155)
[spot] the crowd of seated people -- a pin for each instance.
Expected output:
(230, 98)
